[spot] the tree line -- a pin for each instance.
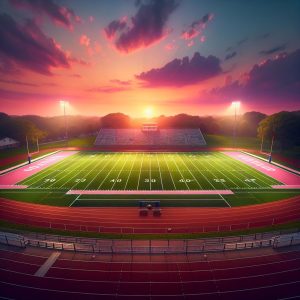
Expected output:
(284, 126)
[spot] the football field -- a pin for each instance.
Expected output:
(149, 171)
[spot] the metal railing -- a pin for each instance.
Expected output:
(188, 228)
(274, 239)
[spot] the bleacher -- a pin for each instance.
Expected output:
(138, 137)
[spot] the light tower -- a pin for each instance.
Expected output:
(236, 105)
(63, 104)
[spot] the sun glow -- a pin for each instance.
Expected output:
(149, 112)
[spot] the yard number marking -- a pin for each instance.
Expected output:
(184, 180)
(148, 180)
(250, 180)
(49, 180)
(116, 180)
(220, 180)
(80, 180)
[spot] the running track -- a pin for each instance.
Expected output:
(127, 220)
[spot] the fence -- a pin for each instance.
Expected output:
(188, 228)
(270, 239)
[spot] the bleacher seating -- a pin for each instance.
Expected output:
(267, 274)
(138, 137)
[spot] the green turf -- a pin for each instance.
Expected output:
(149, 171)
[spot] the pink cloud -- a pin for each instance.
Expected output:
(27, 47)
(60, 15)
(181, 72)
(145, 28)
(274, 81)
(84, 40)
(196, 29)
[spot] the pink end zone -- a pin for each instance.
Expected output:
(152, 192)
(11, 178)
(273, 171)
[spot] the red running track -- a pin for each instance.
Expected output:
(261, 276)
(127, 220)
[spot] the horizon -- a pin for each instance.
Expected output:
(149, 58)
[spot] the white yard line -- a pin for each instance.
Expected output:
(236, 186)
(262, 176)
(45, 172)
(162, 186)
(130, 171)
(200, 171)
(85, 162)
(180, 172)
(232, 173)
(106, 163)
(75, 200)
(138, 184)
(224, 200)
(189, 170)
(120, 171)
(120, 155)
(87, 174)
(169, 172)
(57, 170)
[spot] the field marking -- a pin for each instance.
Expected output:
(138, 184)
(74, 200)
(225, 185)
(180, 172)
(70, 172)
(43, 173)
(249, 172)
(162, 186)
(125, 162)
(150, 171)
(264, 168)
(69, 167)
(225, 200)
(229, 162)
(191, 161)
(150, 192)
(148, 199)
(169, 171)
(106, 163)
(190, 172)
(36, 178)
(87, 174)
(130, 171)
(120, 155)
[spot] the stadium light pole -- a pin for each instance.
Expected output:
(236, 105)
(262, 140)
(64, 103)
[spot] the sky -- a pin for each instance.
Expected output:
(149, 57)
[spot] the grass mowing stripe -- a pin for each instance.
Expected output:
(106, 163)
(237, 166)
(125, 161)
(187, 157)
(159, 172)
(72, 171)
(190, 172)
(265, 178)
(133, 162)
(36, 177)
(169, 171)
(218, 168)
(180, 172)
(87, 175)
(221, 163)
(120, 155)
